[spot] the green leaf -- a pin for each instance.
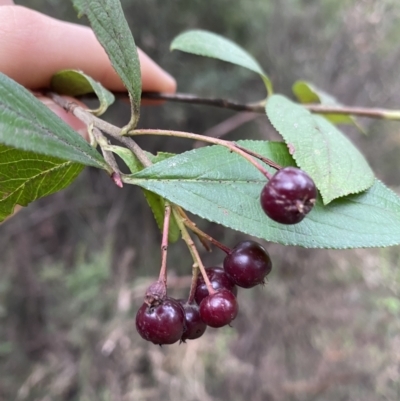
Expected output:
(160, 156)
(109, 24)
(26, 124)
(208, 44)
(223, 187)
(27, 176)
(127, 156)
(307, 92)
(334, 163)
(77, 83)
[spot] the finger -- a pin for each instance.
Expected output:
(34, 46)
(69, 118)
(6, 2)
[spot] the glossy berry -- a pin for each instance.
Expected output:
(218, 278)
(161, 324)
(288, 196)
(247, 264)
(195, 327)
(219, 309)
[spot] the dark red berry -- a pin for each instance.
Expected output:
(247, 264)
(195, 327)
(219, 309)
(161, 324)
(218, 278)
(288, 196)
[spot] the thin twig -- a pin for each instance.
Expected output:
(259, 107)
(355, 111)
(192, 248)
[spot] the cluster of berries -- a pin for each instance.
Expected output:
(167, 320)
(288, 196)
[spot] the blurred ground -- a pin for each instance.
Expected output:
(74, 266)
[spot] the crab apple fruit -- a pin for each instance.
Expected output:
(195, 327)
(219, 308)
(247, 264)
(218, 278)
(288, 196)
(163, 323)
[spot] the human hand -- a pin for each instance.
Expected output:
(34, 46)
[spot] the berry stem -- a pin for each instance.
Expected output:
(192, 248)
(201, 234)
(164, 243)
(193, 285)
(216, 141)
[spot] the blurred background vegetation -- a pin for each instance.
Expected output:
(74, 266)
